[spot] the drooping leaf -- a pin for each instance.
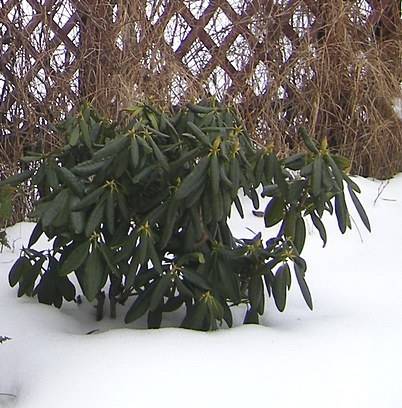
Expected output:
(251, 317)
(112, 148)
(279, 288)
(359, 208)
(316, 176)
(75, 259)
(194, 180)
(197, 317)
(318, 224)
(36, 234)
(54, 207)
(20, 267)
(256, 293)
(274, 212)
(341, 212)
(303, 285)
(28, 279)
(195, 278)
(96, 217)
(70, 180)
(140, 305)
(17, 178)
(66, 288)
(94, 276)
(159, 292)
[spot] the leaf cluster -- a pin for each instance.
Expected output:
(141, 207)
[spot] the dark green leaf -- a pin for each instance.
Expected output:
(89, 199)
(121, 164)
(214, 176)
(66, 288)
(341, 212)
(170, 221)
(230, 281)
(183, 288)
(307, 141)
(359, 208)
(279, 288)
(295, 192)
(303, 286)
(300, 233)
(54, 207)
(74, 136)
(238, 206)
(36, 234)
(295, 161)
(153, 256)
(17, 178)
(94, 275)
(194, 180)
(75, 259)
(196, 317)
(199, 134)
(159, 292)
(256, 293)
(337, 173)
(140, 305)
(320, 227)
(160, 157)
(90, 167)
(28, 278)
(110, 213)
(154, 319)
(134, 151)
(316, 176)
(215, 308)
(290, 222)
(112, 148)
(20, 267)
(108, 253)
(274, 212)
(195, 278)
(251, 317)
(95, 218)
(70, 180)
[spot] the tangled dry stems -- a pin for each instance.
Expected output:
(326, 68)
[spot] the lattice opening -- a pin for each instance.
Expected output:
(286, 62)
(239, 53)
(218, 27)
(154, 10)
(61, 58)
(238, 5)
(197, 58)
(176, 31)
(178, 89)
(302, 19)
(62, 12)
(21, 14)
(219, 83)
(196, 7)
(259, 80)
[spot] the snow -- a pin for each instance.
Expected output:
(346, 353)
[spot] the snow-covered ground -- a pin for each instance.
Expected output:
(346, 353)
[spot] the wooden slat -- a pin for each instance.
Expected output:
(277, 26)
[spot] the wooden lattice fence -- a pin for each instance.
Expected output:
(332, 66)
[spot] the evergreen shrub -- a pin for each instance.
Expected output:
(139, 208)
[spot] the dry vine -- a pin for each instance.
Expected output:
(332, 66)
